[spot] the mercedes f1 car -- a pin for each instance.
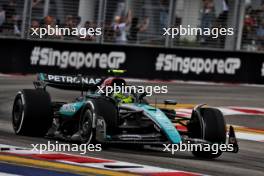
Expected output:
(94, 117)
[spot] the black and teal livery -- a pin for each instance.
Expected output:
(95, 117)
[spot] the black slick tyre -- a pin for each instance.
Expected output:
(32, 113)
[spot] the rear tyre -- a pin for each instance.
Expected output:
(32, 113)
(214, 131)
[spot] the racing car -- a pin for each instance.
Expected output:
(95, 117)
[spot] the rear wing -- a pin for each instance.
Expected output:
(67, 82)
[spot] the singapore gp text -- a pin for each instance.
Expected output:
(196, 65)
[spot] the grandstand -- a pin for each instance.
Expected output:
(142, 20)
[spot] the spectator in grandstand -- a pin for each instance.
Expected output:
(10, 8)
(9, 23)
(164, 13)
(35, 25)
(207, 19)
(51, 22)
(249, 25)
(261, 15)
(136, 28)
(260, 36)
(69, 23)
(249, 30)
(250, 21)
(88, 25)
(221, 11)
(208, 14)
(121, 26)
(11, 26)
(77, 22)
(109, 33)
(2, 15)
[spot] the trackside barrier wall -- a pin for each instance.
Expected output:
(26, 56)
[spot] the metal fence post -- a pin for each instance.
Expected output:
(100, 19)
(46, 7)
(168, 42)
(25, 20)
(240, 24)
(230, 41)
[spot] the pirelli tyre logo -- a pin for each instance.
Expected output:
(67, 59)
(186, 65)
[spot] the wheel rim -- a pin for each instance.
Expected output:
(86, 131)
(18, 111)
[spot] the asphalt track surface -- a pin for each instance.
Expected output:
(249, 161)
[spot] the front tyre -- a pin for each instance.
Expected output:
(86, 126)
(100, 107)
(32, 113)
(214, 131)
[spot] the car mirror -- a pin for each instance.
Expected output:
(170, 102)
